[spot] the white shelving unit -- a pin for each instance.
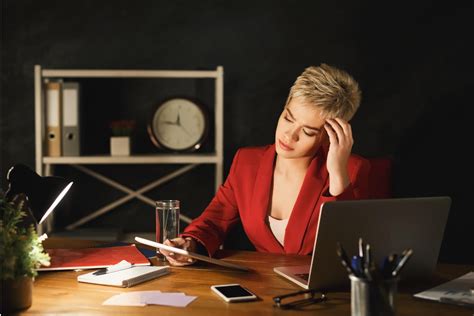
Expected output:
(45, 164)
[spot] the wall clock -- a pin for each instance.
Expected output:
(179, 124)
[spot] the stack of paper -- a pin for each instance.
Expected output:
(457, 291)
(142, 298)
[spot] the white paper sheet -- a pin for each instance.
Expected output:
(143, 298)
(168, 299)
(125, 299)
(457, 290)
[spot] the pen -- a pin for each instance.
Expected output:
(357, 266)
(361, 254)
(344, 259)
(118, 267)
(389, 264)
(402, 262)
(361, 249)
(368, 259)
(374, 276)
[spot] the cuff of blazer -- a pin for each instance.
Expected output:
(201, 245)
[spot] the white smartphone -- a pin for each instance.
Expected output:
(233, 292)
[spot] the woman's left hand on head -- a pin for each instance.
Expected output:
(340, 145)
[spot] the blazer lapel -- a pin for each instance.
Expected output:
(260, 201)
(313, 183)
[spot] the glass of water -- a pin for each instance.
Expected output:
(167, 222)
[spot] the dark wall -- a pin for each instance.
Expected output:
(414, 65)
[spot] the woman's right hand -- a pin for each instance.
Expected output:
(175, 259)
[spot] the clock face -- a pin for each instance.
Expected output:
(179, 124)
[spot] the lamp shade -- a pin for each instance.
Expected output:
(43, 193)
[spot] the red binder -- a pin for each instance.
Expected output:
(93, 258)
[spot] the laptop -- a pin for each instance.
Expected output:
(388, 225)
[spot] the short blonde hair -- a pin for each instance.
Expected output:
(332, 90)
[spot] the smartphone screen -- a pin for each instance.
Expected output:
(233, 292)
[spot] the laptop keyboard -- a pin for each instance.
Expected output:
(304, 276)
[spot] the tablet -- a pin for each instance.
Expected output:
(190, 254)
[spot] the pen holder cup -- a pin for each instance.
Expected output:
(167, 222)
(373, 298)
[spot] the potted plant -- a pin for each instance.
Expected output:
(120, 140)
(22, 254)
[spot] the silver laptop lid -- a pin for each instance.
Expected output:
(388, 225)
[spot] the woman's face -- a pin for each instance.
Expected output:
(300, 130)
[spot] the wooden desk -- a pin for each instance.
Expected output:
(57, 293)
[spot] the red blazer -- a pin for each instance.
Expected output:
(245, 196)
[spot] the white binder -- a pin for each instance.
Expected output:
(70, 115)
(53, 118)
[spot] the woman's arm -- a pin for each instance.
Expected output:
(211, 227)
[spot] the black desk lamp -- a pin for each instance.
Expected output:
(43, 193)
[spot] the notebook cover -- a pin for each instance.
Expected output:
(149, 253)
(93, 258)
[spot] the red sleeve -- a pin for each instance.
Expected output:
(211, 227)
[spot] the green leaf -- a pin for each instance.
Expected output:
(21, 250)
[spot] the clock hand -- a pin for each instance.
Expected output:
(185, 131)
(169, 122)
(178, 121)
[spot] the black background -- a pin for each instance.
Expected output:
(413, 62)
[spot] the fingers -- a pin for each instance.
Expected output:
(331, 133)
(177, 259)
(346, 127)
(171, 243)
(176, 242)
(338, 131)
(181, 261)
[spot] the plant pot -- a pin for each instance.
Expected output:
(120, 146)
(17, 294)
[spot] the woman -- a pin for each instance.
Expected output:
(277, 190)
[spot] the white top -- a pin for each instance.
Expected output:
(278, 227)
